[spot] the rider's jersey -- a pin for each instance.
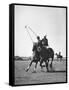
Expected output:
(40, 43)
(36, 54)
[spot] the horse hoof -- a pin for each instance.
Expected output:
(26, 70)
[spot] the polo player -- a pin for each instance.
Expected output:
(45, 41)
(36, 49)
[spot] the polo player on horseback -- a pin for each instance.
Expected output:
(36, 49)
(45, 41)
(40, 51)
(36, 53)
(41, 54)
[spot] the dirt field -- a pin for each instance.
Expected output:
(23, 77)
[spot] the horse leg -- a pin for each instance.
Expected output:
(57, 59)
(60, 59)
(29, 66)
(35, 66)
(51, 66)
(46, 63)
(41, 64)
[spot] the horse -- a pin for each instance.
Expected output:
(59, 56)
(42, 54)
(36, 57)
(47, 54)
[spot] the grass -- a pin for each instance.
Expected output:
(23, 77)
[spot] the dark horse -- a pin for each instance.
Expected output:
(47, 54)
(42, 54)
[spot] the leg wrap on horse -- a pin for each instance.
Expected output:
(41, 63)
(47, 66)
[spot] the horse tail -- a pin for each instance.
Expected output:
(51, 52)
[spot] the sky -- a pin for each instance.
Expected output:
(43, 21)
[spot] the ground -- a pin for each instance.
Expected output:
(23, 77)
